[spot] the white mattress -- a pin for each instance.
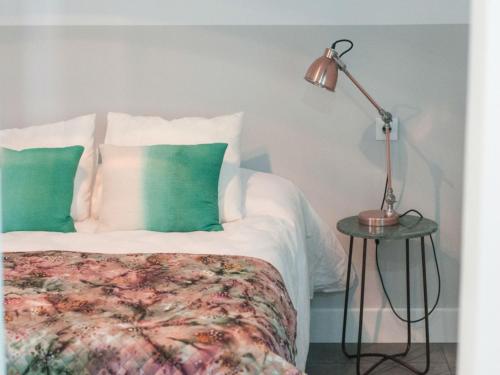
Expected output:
(279, 227)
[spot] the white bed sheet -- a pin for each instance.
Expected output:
(279, 227)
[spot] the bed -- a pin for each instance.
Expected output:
(281, 252)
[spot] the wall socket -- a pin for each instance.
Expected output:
(379, 132)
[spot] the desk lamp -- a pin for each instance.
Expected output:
(323, 72)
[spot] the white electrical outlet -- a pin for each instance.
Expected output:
(379, 129)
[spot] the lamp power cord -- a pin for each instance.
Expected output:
(377, 242)
(351, 45)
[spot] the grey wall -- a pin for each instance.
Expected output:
(233, 12)
(323, 142)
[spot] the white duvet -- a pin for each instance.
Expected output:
(279, 227)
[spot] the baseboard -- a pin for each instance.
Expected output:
(380, 325)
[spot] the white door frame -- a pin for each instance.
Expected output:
(479, 329)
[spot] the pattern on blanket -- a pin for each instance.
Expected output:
(85, 313)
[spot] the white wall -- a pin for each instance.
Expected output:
(233, 12)
(323, 142)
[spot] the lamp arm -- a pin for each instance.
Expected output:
(387, 118)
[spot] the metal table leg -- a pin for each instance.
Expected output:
(408, 300)
(346, 300)
(385, 357)
(361, 308)
(426, 307)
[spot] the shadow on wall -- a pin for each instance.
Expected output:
(258, 160)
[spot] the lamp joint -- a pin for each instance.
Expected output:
(386, 118)
(387, 128)
(390, 200)
(340, 64)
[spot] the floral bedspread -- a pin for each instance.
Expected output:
(85, 313)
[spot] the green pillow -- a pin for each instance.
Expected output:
(37, 188)
(164, 188)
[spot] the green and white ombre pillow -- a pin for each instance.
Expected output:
(163, 188)
(37, 188)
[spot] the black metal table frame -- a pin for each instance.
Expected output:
(386, 357)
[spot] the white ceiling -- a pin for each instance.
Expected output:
(233, 12)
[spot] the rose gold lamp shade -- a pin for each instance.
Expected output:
(324, 71)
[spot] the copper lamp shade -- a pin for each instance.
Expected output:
(324, 71)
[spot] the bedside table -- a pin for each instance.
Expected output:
(409, 227)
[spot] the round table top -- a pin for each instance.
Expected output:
(410, 226)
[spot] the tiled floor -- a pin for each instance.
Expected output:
(327, 359)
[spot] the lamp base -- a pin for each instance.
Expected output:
(378, 218)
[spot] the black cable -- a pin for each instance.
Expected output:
(412, 210)
(385, 193)
(334, 44)
(435, 262)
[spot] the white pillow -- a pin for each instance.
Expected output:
(127, 130)
(95, 204)
(77, 131)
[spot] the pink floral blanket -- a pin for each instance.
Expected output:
(85, 313)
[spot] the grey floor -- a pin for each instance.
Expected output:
(327, 359)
